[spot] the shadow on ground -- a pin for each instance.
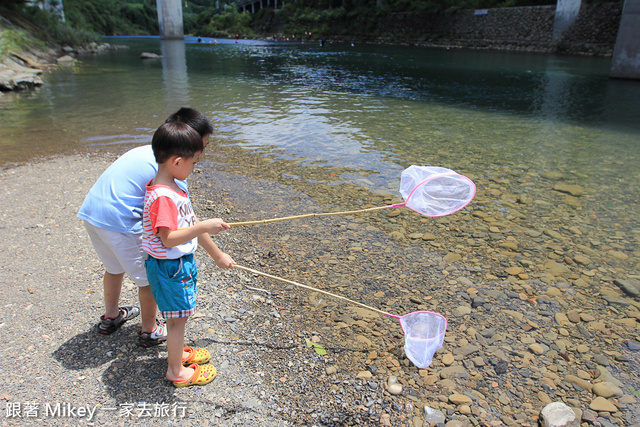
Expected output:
(131, 374)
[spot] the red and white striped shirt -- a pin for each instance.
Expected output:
(165, 207)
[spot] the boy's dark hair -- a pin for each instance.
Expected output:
(175, 139)
(193, 118)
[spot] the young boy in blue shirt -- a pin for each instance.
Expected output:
(170, 237)
(112, 215)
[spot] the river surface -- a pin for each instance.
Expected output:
(355, 114)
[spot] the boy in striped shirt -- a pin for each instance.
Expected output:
(170, 237)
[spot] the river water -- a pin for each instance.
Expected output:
(363, 113)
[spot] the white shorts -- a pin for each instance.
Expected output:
(120, 253)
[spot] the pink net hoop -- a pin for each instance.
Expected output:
(423, 335)
(435, 191)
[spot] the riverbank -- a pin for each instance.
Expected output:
(24, 57)
(513, 345)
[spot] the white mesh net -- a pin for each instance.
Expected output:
(435, 191)
(423, 336)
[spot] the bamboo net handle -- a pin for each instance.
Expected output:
(312, 215)
(311, 289)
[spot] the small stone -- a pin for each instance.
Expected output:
(601, 359)
(600, 404)
(385, 419)
(574, 190)
(460, 399)
(452, 257)
(395, 389)
(364, 375)
(447, 359)
(553, 175)
(586, 317)
(433, 416)
(579, 382)
(582, 348)
(574, 316)
(544, 397)
(536, 349)
(462, 310)
(513, 271)
(464, 409)
(554, 292)
(331, 370)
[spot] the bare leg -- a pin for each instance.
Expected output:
(112, 289)
(148, 308)
(175, 347)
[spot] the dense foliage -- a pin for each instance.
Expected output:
(229, 23)
(322, 18)
(33, 27)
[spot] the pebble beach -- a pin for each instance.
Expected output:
(541, 295)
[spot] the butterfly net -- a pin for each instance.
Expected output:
(435, 191)
(423, 336)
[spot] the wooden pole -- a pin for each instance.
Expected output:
(313, 215)
(311, 289)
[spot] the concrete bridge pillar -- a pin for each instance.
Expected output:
(566, 13)
(625, 63)
(170, 19)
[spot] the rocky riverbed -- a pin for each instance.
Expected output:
(540, 292)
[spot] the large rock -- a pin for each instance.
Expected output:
(607, 389)
(65, 61)
(149, 55)
(629, 287)
(557, 414)
(12, 80)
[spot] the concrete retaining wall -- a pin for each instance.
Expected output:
(515, 28)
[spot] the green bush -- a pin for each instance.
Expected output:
(16, 41)
(50, 29)
(229, 23)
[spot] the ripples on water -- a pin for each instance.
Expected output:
(372, 109)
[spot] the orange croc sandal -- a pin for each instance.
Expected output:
(203, 374)
(196, 355)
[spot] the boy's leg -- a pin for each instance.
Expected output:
(112, 289)
(148, 308)
(175, 347)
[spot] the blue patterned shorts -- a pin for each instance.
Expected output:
(173, 285)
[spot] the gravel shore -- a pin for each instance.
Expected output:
(513, 344)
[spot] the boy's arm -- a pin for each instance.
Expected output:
(222, 259)
(171, 238)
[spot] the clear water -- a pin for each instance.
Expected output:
(366, 112)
